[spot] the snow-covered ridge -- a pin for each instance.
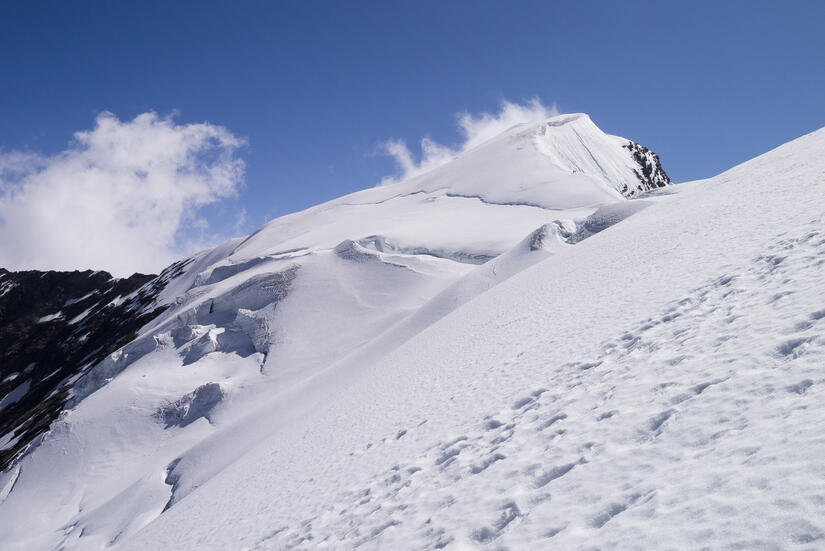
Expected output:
(565, 164)
(263, 330)
(651, 375)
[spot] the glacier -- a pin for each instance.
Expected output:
(540, 343)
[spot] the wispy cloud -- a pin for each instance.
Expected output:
(118, 198)
(474, 130)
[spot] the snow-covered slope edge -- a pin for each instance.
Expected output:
(261, 331)
(657, 377)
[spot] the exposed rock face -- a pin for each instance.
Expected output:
(54, 326)
(650, 172)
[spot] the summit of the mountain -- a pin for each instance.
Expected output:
(561, 163)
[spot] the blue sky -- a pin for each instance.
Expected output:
(315, 87)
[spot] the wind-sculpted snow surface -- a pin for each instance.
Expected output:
(652, 386)
(504, 352)
(566, 165)
(702, 420)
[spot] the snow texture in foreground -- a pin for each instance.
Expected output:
(701, 419)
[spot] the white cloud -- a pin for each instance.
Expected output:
(119, 198)
(474, 129)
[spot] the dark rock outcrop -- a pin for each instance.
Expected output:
(54, 327)
(650, 172)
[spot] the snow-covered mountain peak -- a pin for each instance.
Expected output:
(271, 326)
(561, 120)
(563, 162)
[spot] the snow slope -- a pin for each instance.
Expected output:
(653, 391)
(626, 366)
(263, 329)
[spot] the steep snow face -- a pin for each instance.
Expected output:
(649, 387)
(261, 332)
(563, 164)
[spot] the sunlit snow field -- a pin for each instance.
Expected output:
(656, 384)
